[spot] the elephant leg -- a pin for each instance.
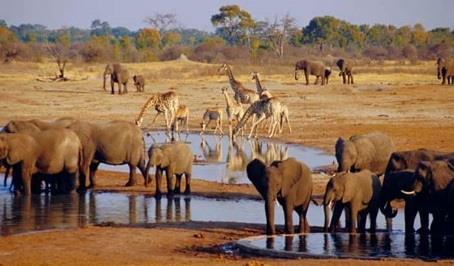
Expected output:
(36, 181)
(177, 189)
(306, 75)
(304, 225)
(338, 208)
(351, 77)
(158, 176)
(353, 219)
(132, 176)
(187, 190)
(288, 210)
(373, 219)
(112, 83)
(343, 78)
(316, 80)
(170, 185)
(7, 170)
(144, 171)
(26, 181)
(424, 219)
(362, 218)
(125, 88)
(93, 168)
(410, 215)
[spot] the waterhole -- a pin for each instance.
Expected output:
(220, 159)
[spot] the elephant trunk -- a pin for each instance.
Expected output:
(269, 210)
(327, 201)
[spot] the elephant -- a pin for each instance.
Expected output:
(393, 183)
(290, 183)
(345, 68)
(370, 151)
(175, 159)
(139, 82)
(49, 152)
(118, 74)
(315, 68)
(401, 160)
(360, 192)
(35, 125)
(114, 142)
(436, 179)
(445, 70)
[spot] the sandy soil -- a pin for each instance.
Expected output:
(412, 108)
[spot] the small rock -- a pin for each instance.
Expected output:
(198, 235)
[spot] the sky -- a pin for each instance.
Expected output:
(197, 13)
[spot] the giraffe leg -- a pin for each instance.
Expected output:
(254, 125)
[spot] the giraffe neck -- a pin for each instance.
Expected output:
(258, 84)
(151, 101)
(228, 100)
(232, 79)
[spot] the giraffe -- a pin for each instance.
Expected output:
(166, 103)
(242, 94)
(284, 115)
(233, 109)
(262, 109)
(261, 91)
(182, 117)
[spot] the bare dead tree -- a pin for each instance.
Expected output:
(162, 22)
(60, 53)
(278, 33)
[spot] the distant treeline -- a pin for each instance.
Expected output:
(237, 37)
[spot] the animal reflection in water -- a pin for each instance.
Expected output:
(25, 214)
(240, 153)
(363, 245)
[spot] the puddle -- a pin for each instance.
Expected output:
(225, 161)
(343, 245)
(40, 212)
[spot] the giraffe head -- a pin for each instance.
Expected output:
(224, 90)
(223, 69)
(255, 75)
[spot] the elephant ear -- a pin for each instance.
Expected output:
(349, 188)
(423, 169)
(291, 171)
(256, 170)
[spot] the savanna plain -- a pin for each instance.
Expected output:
(401, 99)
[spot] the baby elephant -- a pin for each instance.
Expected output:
(139, 82)
(358, 191)
(290, 183)
(174, 159)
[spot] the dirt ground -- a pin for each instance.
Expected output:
(407, 104)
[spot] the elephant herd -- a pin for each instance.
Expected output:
(323, 72)
(67, 151)
(371, 176)
(120, 75)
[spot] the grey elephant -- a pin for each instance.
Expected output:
(118, 74)
(445, 70)
(370, 151)
(314, 68)
(393, 183)
(437, 179)
(49, 152)
(360, 192)
(401, 160)
(139, 82)
(175, 159)
(290, 183)
(345, 68)
(115, 142)
(35, 125)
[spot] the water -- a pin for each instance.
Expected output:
(343, 245)
(25, 214)
(221, 160)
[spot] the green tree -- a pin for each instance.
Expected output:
(99, 28)
(171, 38)
(147, 38)
(233, 24)
(420, 37)
(9, 45)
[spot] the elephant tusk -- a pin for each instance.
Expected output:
(410, 193)
(386, 205)
(331, 204)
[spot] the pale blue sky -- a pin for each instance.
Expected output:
(197, 13)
